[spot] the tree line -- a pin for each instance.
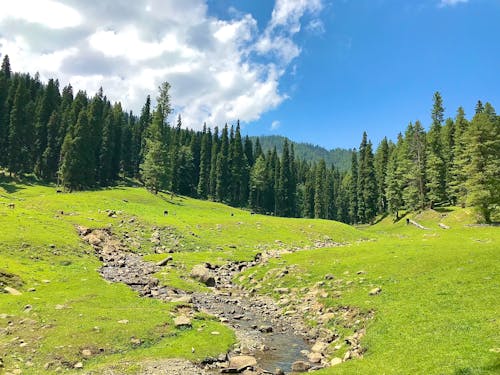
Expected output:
(84, 142)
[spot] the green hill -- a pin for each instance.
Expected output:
(435, 311)
(339, 157)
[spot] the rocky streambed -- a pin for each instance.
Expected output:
(269, 341)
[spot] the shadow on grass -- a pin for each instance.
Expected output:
(443, 209)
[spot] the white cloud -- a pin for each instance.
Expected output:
(130, 48)
(444, 3)
(52, 14)
(275, 125)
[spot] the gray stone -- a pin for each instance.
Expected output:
(242, 362)
(182, 321)
(300, 366)
(203, 275)
(375, 291)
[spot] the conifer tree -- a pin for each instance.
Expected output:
(381, 161)
(49, 103)
(203, 187)
(395, 178)
(213, 164)
(222, 175)
(436, 168)
(414, 191)
(50, 157)
(483, 169)
(320, 202)
(258, 184)
(18, 152)
(353, 189)
(77, 156)
(153, 168)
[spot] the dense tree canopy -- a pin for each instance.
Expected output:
(83, 142)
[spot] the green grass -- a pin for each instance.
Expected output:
(437, 313)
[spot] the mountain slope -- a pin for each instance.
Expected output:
(339, 157)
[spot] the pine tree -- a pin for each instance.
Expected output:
(203, 187)
(436, 168)
(213, 164)
(320, 204)
(126, 146)
(381, 162)
(369, 193)
(457, 175)
(258, 184)
(4, 110)
(50, 157)
(248, 146)
(154, 168)
(49, 103)
(239, 171)
(353, 189)
(222, 175)
(77, 156)
(483, 170)
(395, 178)
(414, 159)
(18, 153)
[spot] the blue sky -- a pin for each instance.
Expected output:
(377, 64)
(317, 71)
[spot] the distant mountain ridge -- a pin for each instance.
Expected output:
(339, 157)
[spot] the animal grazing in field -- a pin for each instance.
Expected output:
(59, 191)
(252, 213)
(232, 214)
(11, 205)
(165, 213)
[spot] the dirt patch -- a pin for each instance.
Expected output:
(8, 279)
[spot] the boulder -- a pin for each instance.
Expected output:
(242, 362)
(375, 291)
(335, 361)
(203, 275)
(319, 347)
(12, 291)
(164, 262)
(300, 366)
(315, 357)
(182, 322)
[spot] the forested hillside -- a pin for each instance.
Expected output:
(339, 157)
(83, 142)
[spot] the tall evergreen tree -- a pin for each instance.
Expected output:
(414, 191)
(222, 175)
(154, 168)
(381, 162)
(18, 151)
(320, 201)
(213, 164)
(203, 187)
(77, 157)
(395, 178)
(483, 170)
(436, 168)
(353, 189)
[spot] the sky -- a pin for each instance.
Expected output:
(316, 71)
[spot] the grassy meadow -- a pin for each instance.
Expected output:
(438, 312)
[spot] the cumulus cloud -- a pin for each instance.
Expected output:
(131, 47)
(275, 125)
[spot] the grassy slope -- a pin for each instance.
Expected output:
(73, 309)
(438, 310)
(437, 313)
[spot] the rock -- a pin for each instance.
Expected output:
(279, 371)
(319, 347)
(300, 366)
(164, 262)
(182, 322)
(78, 365)
(123, 321)
(203, 275)
(215, 333)
(265, 329)
(242, 362)
(335, 361)
(87, 353)
(329, 276)
(315, 357)
(135, 341)
(282, 290)
(12, 291)
(375, 291)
